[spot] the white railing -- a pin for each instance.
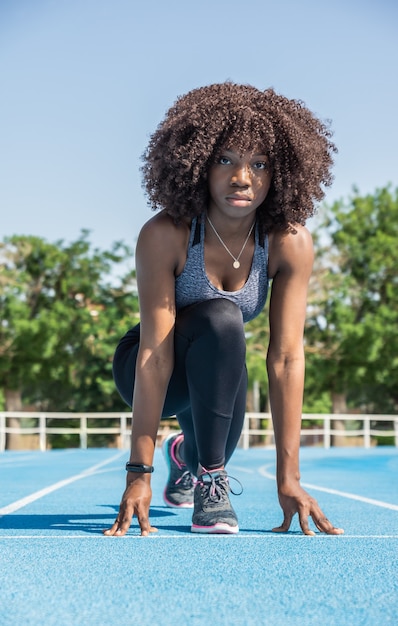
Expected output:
(361, 429)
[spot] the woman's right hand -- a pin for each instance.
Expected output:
(135, 501)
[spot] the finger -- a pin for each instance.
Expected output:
(124, 524)
(151, 529)
(284, 527)
(121, 525)
(111, 531)
(145, 524)
(303, 519)
(325, 526)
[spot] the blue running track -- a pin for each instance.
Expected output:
(56, 567)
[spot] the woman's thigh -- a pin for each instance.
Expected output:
(124, 364)
(208, 342)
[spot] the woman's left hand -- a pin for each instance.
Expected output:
(294, 499)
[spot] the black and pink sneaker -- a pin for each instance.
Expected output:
(213, 512)
(178, 492)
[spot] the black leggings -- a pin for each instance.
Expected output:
(207, 390)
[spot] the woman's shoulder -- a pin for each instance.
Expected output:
(163, 236)
(296, 235)
(162, 227)
(289, 247)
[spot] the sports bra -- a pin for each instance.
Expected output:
(193, 285)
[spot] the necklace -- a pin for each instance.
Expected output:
(235, 264)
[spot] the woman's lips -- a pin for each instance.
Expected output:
(238, 200)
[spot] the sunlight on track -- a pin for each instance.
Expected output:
(343, 494)
(19, 504)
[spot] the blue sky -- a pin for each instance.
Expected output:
(85, 82)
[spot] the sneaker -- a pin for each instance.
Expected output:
(213, 512)
(178, 492)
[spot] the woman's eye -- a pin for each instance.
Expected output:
(260, 165)
(223, 160)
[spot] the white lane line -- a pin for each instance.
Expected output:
(19, 504)
(344, 494)
(198, 536)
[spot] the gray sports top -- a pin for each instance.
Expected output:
(193, 285)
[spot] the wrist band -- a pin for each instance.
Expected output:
(139, 468)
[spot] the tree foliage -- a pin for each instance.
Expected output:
(353, 315)
(61, 318)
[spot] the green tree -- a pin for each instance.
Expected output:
(60, 319)
(351, 333)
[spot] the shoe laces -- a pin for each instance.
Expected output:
(217, 485)
(185, 480)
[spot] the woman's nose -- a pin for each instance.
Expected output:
(241, 176)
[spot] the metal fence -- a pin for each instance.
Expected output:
(35, 430)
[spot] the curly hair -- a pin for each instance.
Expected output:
(208, 119)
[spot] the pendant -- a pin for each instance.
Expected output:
(236, 265)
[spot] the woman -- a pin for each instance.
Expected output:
(235, 172)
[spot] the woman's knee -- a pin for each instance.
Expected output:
(220, 316)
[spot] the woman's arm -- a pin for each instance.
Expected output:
(155, 267)
(291, 260)
(158, 254)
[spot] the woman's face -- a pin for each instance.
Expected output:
(239, 183)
